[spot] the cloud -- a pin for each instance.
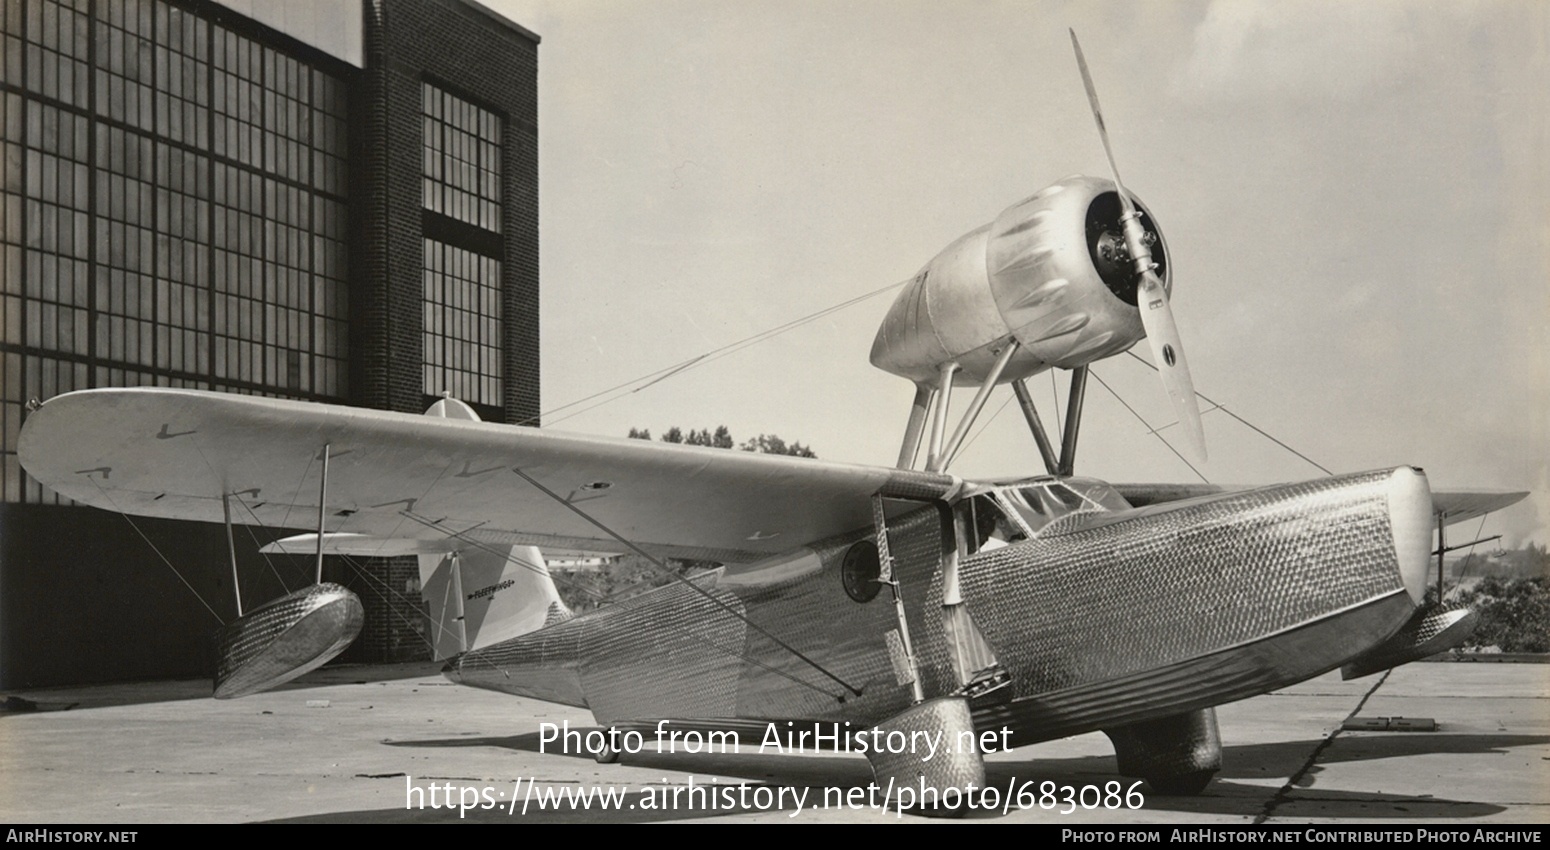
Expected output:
(1314, 51)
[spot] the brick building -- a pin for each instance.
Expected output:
(333, 201)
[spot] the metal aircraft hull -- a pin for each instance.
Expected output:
(1100, 622)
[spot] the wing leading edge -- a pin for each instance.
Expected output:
(413, 482)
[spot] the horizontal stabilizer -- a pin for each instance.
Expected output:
(373, 546)
(361, 545)
(1453, 506)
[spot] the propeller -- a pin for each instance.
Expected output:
(1151, 296)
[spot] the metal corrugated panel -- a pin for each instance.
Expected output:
(1231, 674)
(1101, 626)
(1180, 609)
(282, 639)
(673, 653)
(817, 618)
(543, 664)
(1427, 633)
(954, 766)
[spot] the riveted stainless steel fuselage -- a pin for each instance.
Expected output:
(1107, 619)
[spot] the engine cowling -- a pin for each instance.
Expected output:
(1051, 271)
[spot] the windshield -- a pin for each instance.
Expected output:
(1040, 502)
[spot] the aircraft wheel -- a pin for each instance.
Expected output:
(1181, 784)
(607, 754)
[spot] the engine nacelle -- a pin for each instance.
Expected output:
(1051, 271)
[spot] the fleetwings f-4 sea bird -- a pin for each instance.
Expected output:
(854, 598)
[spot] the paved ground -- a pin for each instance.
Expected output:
(349, 743)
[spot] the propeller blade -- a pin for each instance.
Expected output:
(1168, 353)
(1151, 296)
(1103, 131)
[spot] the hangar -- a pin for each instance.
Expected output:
(333, 201)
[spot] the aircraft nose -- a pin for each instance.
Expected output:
(1410, 521)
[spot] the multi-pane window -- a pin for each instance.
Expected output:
(278, 114)
(462, 193)
(57, 49)
(55, 217)
(462, 312)
(173, 211)
(462, 159)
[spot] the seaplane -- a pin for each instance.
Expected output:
(862, 600)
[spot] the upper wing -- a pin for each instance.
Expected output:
(407, 483)
(1448, 506)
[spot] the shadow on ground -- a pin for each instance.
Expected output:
(84, 697)
(820, 779)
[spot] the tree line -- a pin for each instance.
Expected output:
(721, 438)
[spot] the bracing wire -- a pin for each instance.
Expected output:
(221, 483)
(1054, 392)
(1144, 423)
(158, 552)
(990, 419)
(691, 585)
(1459, 581)
(254, 537)
(601, 597)
(368, 578)
(622, 389)
(1255, 428)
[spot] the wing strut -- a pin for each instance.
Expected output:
(289, 636)
(1442, 551)
(461, 631)
(934, 402)
(322, 504)
(978, 404)
(912, 431)
(911, 667)
(691, 585)
(1073, 420)
(944, 399)
(231, 549)
(944, 449)
(1036, 425)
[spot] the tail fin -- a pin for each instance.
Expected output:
(483, 597)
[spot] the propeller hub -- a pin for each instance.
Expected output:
(1156, 317)
(1111, 254)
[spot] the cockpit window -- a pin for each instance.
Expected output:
(1098, 493)
(1042, 501)
(993, 526)
(1028, 502)
(1070, 499)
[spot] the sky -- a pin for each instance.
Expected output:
(1356, 198)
